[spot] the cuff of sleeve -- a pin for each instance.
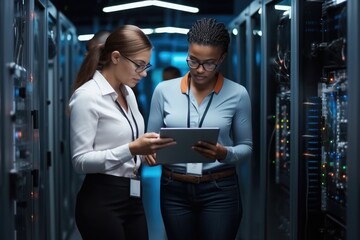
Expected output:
(142, 158)
(229, 155)
(120, 154)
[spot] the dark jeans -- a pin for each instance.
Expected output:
(104, 210)
(204, 211)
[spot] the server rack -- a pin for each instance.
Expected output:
(248, 49)
(275, 121)
(353, 53)
(39, 56)
(62, 66)
(20, 143)
(308, 133)
(254, 35)
(34, 159)
(49, 120)
(235, 58)
(243, 174)
(298, 154)
(6, 107)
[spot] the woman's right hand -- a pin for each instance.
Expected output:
(149, 143)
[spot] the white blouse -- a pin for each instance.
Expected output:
(100, 134)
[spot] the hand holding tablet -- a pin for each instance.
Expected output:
(186, 138)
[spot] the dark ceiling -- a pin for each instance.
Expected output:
(87, 16)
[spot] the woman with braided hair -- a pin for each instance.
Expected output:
(201, 201)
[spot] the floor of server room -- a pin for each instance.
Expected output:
(151, 185)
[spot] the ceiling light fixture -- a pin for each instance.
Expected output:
(171, 30)
(147, 31)
(148, 3)
(85, 37)
(282, 7)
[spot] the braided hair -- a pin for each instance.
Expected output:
(208, 31)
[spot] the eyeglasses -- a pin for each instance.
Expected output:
(139, 68)
(207, 66)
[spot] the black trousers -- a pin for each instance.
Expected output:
(105, 210)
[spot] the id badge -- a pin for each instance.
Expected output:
(135, 187)
(194, 168)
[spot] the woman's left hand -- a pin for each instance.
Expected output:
(212, 151)
(151, 159)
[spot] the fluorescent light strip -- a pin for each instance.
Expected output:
(287, 12)
(85, 37)
(175, 6)
(340, 1)
(147, 31)
(148, 3)
(127, 6)
(282, 7)
(171, 30)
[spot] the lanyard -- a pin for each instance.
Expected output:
(205, 112)
(131, 127)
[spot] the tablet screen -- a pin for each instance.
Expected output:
(185, 138)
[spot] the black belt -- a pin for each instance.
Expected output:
(198, 179)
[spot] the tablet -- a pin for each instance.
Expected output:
(185, 138)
